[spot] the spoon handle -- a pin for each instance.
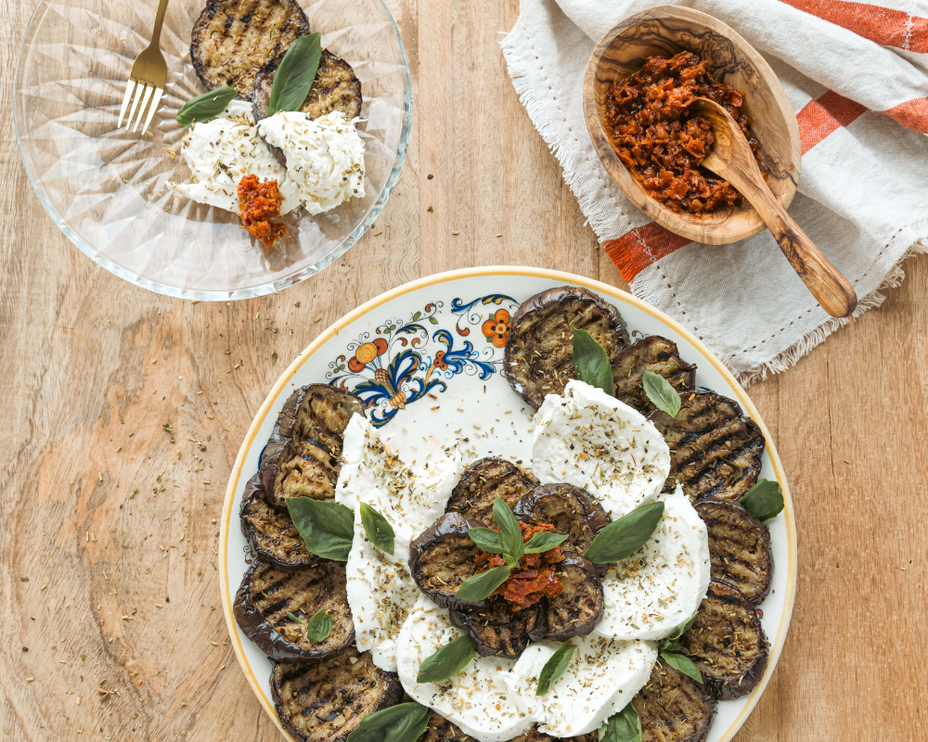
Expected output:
(831, 289)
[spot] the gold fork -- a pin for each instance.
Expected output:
(147, 79)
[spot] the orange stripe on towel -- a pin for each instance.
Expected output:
(636, 250)
(824, 116)
(912, 114)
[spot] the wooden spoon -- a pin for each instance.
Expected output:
(731, 158)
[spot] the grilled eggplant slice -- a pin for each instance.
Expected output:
(739, 546)
(673, 707)
(303, 455)
(482, 482)
(325, 701)
(656, 354)
(268, 597)
(270, 533)
(233, 39)
(714, 450)
(579, 606)
(497, 630)
(571, 510)
(539, 348)
(442, 557)
(535, 736)
(442, 730)
(727, 642)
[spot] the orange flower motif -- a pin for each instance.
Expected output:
(440, 362)
(367, 353)
(497, 328)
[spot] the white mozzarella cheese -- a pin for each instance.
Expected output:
(478, 698)
(594, 441)
(662, 585)
(602, 677)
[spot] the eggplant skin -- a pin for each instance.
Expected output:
(325, 701)
(535, 736)
(270, 533)
(442, 730)
(653, 353)
(482, 482)
(496, 630)
(579, 606)
(715, 451)
(442, 557)
(267, 594)
(303, 454)
(727, 642)
(673, 707)
(572, 511)
(739, 547)
(539, 356)
(233, 39)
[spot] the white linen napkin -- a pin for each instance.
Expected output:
(857, 76)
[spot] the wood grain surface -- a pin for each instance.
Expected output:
(123, 412)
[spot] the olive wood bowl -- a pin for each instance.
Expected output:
(667, 30)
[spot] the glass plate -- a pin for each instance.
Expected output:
(108, 191)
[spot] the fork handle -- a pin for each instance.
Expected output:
(159, 22)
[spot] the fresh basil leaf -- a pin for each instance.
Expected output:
(661, 392)
(544, 541)
(764, 500)
(554, 668)
(295, 74)
(327, 528)
(509, 526)
(480, 587)
(683, 628)
(623, 537)
(319, 627)
(672, 646)
(624, 726)
(591, 364)
(294, 617)
(682, 663)
(447, 661)
(205, 107)
(487, 539)
(405, 722)
(377, 528)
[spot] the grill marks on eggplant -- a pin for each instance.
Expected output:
(336, 88)
(442, 730)
(442, 557)
(233, 39)
(572, 511)
(539, 349)
(673, 707)
(267, 595)
(535, 736)
(656, 354)
(714, 450)
(727, 642)
(270, 533)
(482, 482)
(498, 631)
(739, 546)
(303, 454)
(325, 701)
(579, 606)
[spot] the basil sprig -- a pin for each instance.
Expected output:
(295, 74)
(661, 392)
(377, 528)
(623, 537)
(624, 726)
(405, 722)
(327, 527)
(205, 107)
(508, 543)
(554, 668)
(591, 364)
(764, 500)
(447, 661)
(319, 627)
(672, 651)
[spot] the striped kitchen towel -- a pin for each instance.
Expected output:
(857, 76)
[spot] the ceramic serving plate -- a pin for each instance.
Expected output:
(427, 358)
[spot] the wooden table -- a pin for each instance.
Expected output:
(123, 411)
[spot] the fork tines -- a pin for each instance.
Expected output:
(140, 94)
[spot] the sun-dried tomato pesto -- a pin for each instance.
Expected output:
(661, 142)
(260, 203)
